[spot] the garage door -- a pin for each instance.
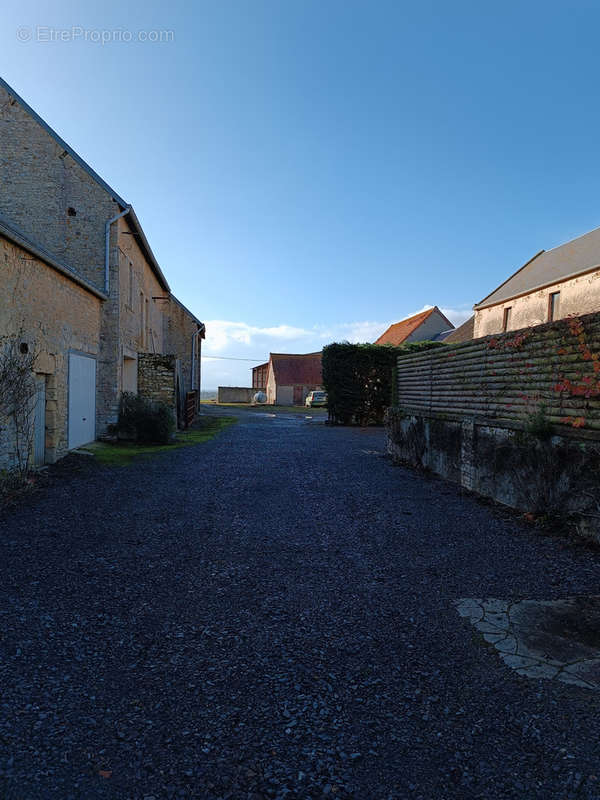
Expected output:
(82, 400)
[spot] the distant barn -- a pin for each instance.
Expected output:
(287, 378)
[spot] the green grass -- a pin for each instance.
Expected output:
(122, 454)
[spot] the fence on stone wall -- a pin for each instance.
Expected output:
(551, 369)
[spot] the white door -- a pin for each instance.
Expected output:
(82, 400)
(39, 423)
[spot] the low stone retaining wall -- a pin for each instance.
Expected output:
(554, 475)
(235, 394)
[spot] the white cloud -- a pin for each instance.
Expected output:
(230, 340)
(222, 333)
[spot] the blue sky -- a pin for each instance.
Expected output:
(309, 170)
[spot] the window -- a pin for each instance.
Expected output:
(506, 320)
(142, 326)
(130, 296)
(553, 306)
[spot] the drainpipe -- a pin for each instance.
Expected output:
(107, 251)
(200, 330)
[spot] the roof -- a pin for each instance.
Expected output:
(189, 313)
(547, 267)
(134, 221)
(400, 331)
(260, 366)
(463, 333)
(15, 235)
(146, 249)
(294, 369)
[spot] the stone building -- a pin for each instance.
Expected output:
(426, 325)
(80, 233)
(557, 283)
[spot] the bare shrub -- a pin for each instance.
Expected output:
(17, 394)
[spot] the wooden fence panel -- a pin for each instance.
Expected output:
(553, 367)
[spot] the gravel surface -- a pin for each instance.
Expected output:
(270, 615)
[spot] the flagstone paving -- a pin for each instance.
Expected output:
(542, 639)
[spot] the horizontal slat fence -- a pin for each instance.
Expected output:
(510, 376)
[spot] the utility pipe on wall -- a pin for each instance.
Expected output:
(201, 329)
(107, 251)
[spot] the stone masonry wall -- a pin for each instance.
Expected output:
(180, 327)
(55, 202)
(53, 315)
(156, 378)
(548, 475)
(43, 186)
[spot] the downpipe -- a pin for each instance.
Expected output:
(107, 227)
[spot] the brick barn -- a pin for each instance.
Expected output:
(287, 378)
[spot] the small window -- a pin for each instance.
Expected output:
(71, 211)
(506, 319)
(142, 325)
(130, 295)
(553, 306)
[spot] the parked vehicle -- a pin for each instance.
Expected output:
(315, 399)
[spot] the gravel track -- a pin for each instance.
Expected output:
(270, 615)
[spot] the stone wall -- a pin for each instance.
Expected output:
(180, 327)
(49, 195)
(52, 315)
(62, 208)
(156, 378)
(577, 296)
(551, 475)
(235, 394)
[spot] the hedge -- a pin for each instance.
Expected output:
(144, 421)
(359, 379)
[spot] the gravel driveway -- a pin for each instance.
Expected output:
(272, 615)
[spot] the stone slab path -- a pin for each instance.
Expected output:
(274, 615)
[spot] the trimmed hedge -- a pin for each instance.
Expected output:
(359, 379)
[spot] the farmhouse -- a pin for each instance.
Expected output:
(427, 325)
(81, 287)
(553, 284)
(288, 378)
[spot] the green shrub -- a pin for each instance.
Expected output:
(144, 421)
(537, 424)
(359, 379)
